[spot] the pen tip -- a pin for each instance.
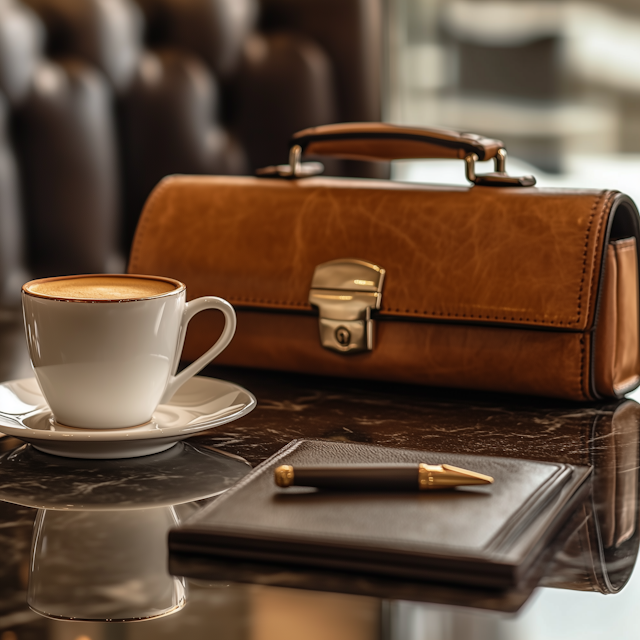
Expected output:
(446, 476)
(464, 476)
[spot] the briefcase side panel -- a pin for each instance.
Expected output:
(616, 356)
(547, 363)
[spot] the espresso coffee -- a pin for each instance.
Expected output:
(100, 288)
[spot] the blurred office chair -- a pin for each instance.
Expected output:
(105, 97)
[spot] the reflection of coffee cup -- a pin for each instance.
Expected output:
(105, 348)
(103, 565)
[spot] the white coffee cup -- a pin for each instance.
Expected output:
(105, 348)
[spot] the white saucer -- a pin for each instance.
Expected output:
(200, 404)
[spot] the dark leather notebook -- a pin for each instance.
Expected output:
(485, 535)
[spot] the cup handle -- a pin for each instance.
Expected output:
(191, 308)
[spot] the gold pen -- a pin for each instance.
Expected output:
(395, 477)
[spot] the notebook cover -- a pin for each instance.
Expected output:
(485, 536)
(208, 569)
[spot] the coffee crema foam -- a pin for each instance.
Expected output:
(101, 288)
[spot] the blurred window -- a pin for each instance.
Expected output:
(558, 82)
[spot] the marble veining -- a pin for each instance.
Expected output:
(16, 525)
(291, 406)
(184, 473)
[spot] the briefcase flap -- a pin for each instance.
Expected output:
(487, 255)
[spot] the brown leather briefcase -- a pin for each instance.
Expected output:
(498, 285)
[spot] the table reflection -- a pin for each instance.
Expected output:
(99, 548)
(601, 553)
(103, 565)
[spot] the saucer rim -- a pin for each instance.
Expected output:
(87, 436)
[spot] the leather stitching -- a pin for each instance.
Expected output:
(596, 206)
(582, 354)
(417, 312)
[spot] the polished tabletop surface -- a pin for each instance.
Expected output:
(84, 542)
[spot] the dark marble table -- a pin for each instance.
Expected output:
(75, 559)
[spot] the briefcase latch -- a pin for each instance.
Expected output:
(345, 291)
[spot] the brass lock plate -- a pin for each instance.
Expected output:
(344, 292)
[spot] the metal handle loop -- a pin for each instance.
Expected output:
(499, 177)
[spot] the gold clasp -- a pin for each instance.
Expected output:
(345, 291)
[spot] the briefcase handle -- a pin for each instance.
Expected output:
(379, 141)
